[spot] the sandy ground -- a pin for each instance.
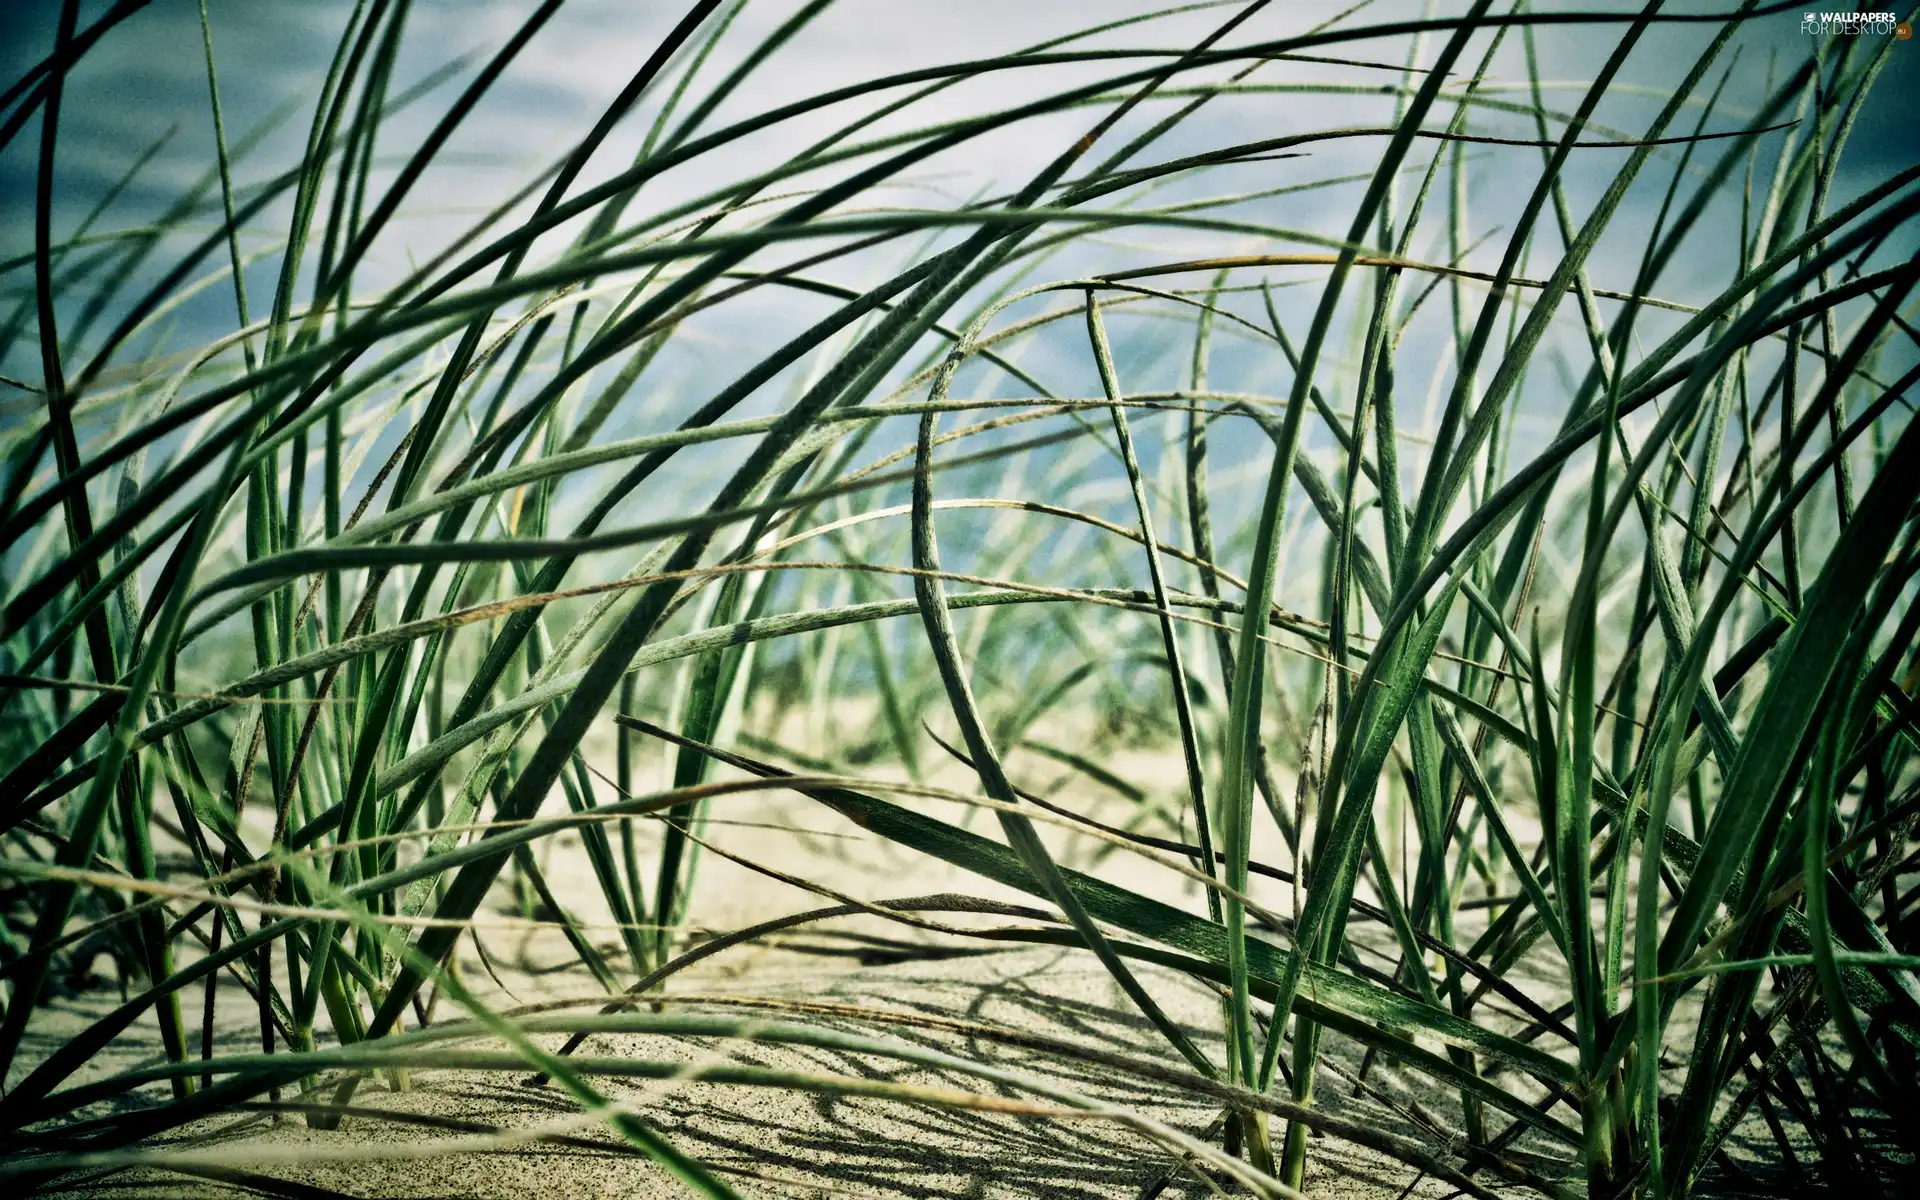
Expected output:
(779, 1142)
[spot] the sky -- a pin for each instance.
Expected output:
(146, 84)
(148, 79)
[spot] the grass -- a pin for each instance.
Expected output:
(1529, 613)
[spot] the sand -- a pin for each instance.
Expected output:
(781, 1142)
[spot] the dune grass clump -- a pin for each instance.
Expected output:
(1492, 497)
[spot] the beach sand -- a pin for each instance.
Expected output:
(492, 1134)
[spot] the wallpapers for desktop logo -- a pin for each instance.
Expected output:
(1855, 24)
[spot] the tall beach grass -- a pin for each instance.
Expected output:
(1491, 495)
